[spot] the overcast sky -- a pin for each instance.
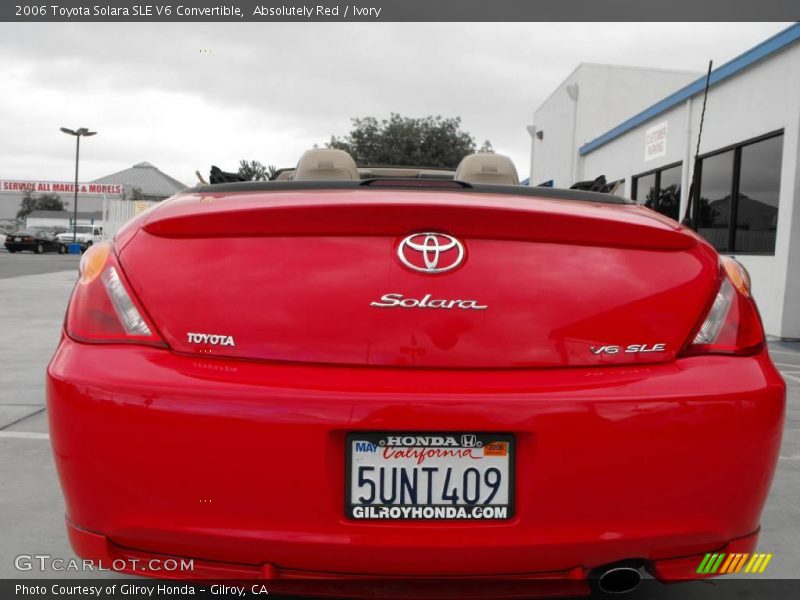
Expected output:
(270, 91)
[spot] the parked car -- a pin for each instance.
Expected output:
(86, 235)
(395, 374)
(36, 240)
(3, 234)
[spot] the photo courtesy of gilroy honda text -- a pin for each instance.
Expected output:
(384, 308)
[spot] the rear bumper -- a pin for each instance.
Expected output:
(567, 583)
(242, 463)
(19, 246)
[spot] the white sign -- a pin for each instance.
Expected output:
(655, 141)
(17, 185)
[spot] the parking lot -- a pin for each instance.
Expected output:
(34, 290)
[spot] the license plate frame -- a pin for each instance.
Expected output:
(481, 440)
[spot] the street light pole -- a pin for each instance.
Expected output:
(75, 202)
(83, 131)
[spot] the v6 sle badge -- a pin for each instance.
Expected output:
(630, 349)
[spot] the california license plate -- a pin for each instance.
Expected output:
(429, 476)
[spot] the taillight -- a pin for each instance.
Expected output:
(102, 308)
(732, 324)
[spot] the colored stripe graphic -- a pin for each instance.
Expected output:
(711, 563)
(727, 564)
(715, 567)
(753, 564)
(723, 563)
(764, 564)
(740, 563)
(702, 567)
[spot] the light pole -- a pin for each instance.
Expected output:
(83, 131)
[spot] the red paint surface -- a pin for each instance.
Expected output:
(236, 454)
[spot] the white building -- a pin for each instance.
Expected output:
(749, 172)
(142, 181)
(589, 102)
(61, 220)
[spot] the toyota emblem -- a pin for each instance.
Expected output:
(430, 252)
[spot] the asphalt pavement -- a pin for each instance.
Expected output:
(34, 291)
(28, 263)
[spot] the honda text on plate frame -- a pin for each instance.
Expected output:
(430, 476)
(411, 378)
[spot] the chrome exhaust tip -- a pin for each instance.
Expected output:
(619, 580)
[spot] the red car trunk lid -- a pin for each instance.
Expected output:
(307, 277)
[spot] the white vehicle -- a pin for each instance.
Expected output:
(6, 231)
(86, 235)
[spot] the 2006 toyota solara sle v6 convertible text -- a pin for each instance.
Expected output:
(412, 373)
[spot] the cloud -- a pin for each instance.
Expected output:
(184, 96)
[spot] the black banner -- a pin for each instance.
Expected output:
(400, 10)
(149, 589)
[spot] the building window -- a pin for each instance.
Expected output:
(739, 189)
(660, 190)
(713, 222)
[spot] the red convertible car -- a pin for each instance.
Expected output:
(412, 374)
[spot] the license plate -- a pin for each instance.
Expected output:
(17, 239)
(429, 476)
